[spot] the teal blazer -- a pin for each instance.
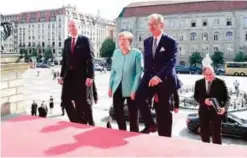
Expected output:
(126, 69)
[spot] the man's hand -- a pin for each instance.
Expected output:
(208, 102)
(89, 82)
(222, 111)
(132, 96)
(60, 81)
(154, 81)
(176, 110)
(110, 93)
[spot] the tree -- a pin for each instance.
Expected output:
(218, 58)
(195, 58)
(240, 57)
(22, 52)
(34, 54)
(48, 54)
(26, 56)
(107, 48)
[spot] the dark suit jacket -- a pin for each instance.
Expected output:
(34, 107)
(218, 90)
(76, 68)
(163, 64)
(82, 59)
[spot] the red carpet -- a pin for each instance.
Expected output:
(32, 136)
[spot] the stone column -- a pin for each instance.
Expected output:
(12, 85)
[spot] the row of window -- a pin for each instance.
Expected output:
(204, 36)
(182, 23)
(236, 65)
(42, 14)
(228, 22)
(38, 44)
(216, 36)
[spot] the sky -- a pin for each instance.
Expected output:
(109, 9)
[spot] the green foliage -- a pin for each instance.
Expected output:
(48, 54)
(195, 58)
(218, 58)
(34, 53)
(240, 57)
(107, 48)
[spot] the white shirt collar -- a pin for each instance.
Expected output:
(158, 38)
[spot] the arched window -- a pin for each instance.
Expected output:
(140, 38)
(205, 36)
(216, 36)
(193, 36)
(229, 35)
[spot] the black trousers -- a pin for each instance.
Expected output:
(210, 122)
(162, 108)
(89, 120)
(34, 112)
(118, 104)
(74, 89)
(79, 111)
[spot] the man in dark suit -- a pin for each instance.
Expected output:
(34, 108)
(77, 74)
(205, 89)
(159, 77)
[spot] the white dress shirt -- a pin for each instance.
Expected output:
(206, 84)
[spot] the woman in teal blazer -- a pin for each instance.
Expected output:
(125, 77)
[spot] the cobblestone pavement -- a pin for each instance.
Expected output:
(42, 87)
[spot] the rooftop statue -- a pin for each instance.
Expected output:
(206, 61)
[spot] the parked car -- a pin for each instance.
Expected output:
(231, 126)
(182, 69)
(126, 113)
(195, 70)
(220, 71)
(42, 65)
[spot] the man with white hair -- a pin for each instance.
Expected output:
(77, 74)
(160, 56)
(207, 89)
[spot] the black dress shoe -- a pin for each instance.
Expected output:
(150, 129)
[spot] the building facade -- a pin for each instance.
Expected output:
(47, 29)
(200, 26)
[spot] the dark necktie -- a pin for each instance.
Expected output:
(209, 86)
(73, 45)
(154, 46)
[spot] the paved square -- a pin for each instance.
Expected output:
(42, 87)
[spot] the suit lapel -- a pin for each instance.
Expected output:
(159, 46)
(69, 46)
(151, 48)
(212, 84)
(76, 43)
(204, 86)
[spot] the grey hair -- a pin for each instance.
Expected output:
(207, 67)
(127, 34)
(158, 17)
